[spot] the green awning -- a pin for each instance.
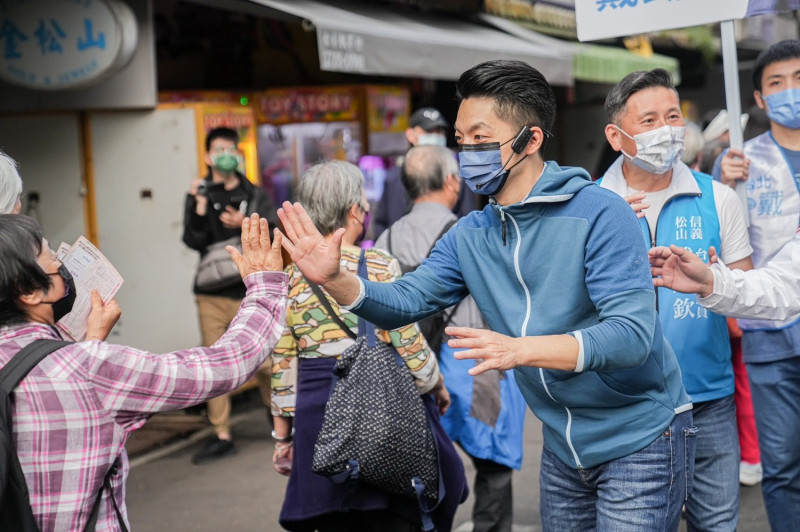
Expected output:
(590, 62)
(606, 64)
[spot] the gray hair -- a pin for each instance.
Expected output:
(425, 169)
(634, 82)
(327, 191)
(10, 184)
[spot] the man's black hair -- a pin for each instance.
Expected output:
(780, 51)
(634, 82)
(221, 133)
(522, 96)
(20, 273)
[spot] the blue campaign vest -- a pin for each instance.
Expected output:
(698, 336)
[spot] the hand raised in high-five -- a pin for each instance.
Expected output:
(258, 253)
(315, 255)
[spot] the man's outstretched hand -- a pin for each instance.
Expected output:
(316, 256)
(680, 269)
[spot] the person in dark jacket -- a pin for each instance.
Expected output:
(214, 210)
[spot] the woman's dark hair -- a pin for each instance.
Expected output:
(522, 96)
(20, 273)
(780, 51)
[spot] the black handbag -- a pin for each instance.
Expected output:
(376, 428)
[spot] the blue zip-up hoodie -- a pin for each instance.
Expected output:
(570, 260)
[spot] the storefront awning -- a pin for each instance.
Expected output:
(370, 39)
(590, 62)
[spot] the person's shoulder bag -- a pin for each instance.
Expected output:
(216, 269)
(376, 429)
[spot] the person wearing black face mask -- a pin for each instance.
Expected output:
(63, 305)
(75, 410)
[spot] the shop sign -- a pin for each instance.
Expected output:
(341, 51)
(64, 44)
(388, 109)
(240, 119)
(312, 104)
(602, 19)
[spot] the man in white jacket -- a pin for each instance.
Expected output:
(771, 292)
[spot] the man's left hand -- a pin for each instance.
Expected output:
(493, 350)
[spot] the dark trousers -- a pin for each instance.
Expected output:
(494, 507)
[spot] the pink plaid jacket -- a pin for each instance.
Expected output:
(75, 410)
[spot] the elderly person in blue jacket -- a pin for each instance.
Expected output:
(559, 270)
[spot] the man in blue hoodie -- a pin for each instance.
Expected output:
(559, 271)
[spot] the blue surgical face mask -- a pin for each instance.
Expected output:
(431, 139)
(481, 167)
(784, 108)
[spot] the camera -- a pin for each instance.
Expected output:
(202, 189)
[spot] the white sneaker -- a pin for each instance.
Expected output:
(749, 474)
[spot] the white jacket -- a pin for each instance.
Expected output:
(771, 292)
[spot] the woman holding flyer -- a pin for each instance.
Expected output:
(74, 411)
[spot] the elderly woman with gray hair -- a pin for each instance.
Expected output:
(302, 366)
(10, 186)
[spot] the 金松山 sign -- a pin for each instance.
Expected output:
(64, 44)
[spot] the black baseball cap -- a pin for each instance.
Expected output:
(427, 118)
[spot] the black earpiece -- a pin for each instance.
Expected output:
(522, 139)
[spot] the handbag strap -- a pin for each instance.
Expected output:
(365, 328)
(25, 360)
(426, 509)
(332, 313)
(92, 522)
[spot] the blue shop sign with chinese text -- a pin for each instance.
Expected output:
(64, 44)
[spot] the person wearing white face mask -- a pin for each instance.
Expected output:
(676, 205)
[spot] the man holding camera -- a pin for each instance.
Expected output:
(214, 210)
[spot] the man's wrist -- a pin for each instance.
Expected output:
(708, 284)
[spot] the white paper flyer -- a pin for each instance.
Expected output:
(91, 271)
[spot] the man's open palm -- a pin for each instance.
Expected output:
(316, 256)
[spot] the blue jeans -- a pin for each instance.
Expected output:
(775, 387)
(641, 492)
(714, 503)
